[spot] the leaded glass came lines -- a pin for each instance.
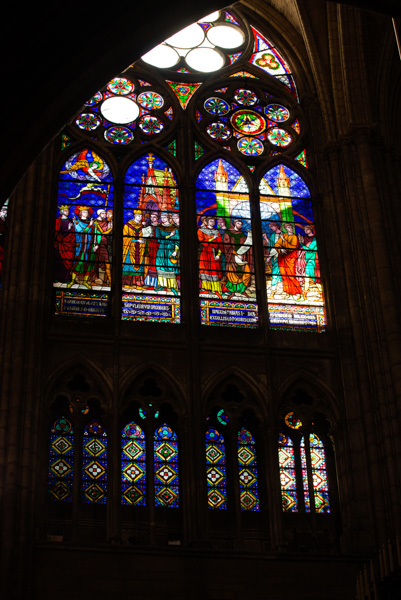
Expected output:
(133, 465)
(288, 481)
(94, 464)
(61, 460)
(166, 467)
(319, 475)
(248, 474)
(216, 470)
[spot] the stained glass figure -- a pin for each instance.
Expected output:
(3, 218)
(277, 113)
(94, 464)
(294, 289)
(61, 460)
(216, 477)
(151, 243)
(133, 465)
(248, 474)
(226, 267)
(288, 482)
(83, 236)
(166, 467)
(319, 475)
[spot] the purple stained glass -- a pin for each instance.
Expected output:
(216, 478)
(166, 467)
(133, 465)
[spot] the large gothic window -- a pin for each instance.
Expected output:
(213, 112)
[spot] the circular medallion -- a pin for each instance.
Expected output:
(95, 99)
(244, 437)
(119, 110)
(248, 122)
(63, 425)
(165, 432)
(120, 86)
(277, 113)
(216, 106)
(95, 428)
(119, 135)
(219, 131)
(212, 435)
(150, 100)
(132, 430)
(250, 146)
(245, 97)
(151, 125)
(222, 417)
(279, 137)
(292, 421)
(88, 121)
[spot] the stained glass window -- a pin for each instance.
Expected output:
(3, 217)
(151, 243)
(61, 460)
(288, 482)
(216, 470)
(94, 464)
(166, 467)
(83, 236)
(294, 288)
(133, 465)
(248, 474)
(226, 266)
(320, 483)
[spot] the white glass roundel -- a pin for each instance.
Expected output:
(119, 110)
(210, 18)
(206, 60)
(226, 36)
(162, 56)
(189, 37)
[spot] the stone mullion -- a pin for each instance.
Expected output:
(387, 317)
(22, 345)
(269, 446)
(195, 510)
(352, 361)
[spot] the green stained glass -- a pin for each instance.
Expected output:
(199, 151)
(183, 91)
(61, 461)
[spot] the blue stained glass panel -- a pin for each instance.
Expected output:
(216, 476)
(133, 465)
(248, 472)
(166, 467)
(94, 464)
(61, 461)
(288, 482)
(151, 243)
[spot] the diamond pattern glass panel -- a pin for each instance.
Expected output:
(94, 464)
(319, 474)
(166, 467)
(288, 480)
(133, 465)
(248, 474)
(216, 476)
(61, 460)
